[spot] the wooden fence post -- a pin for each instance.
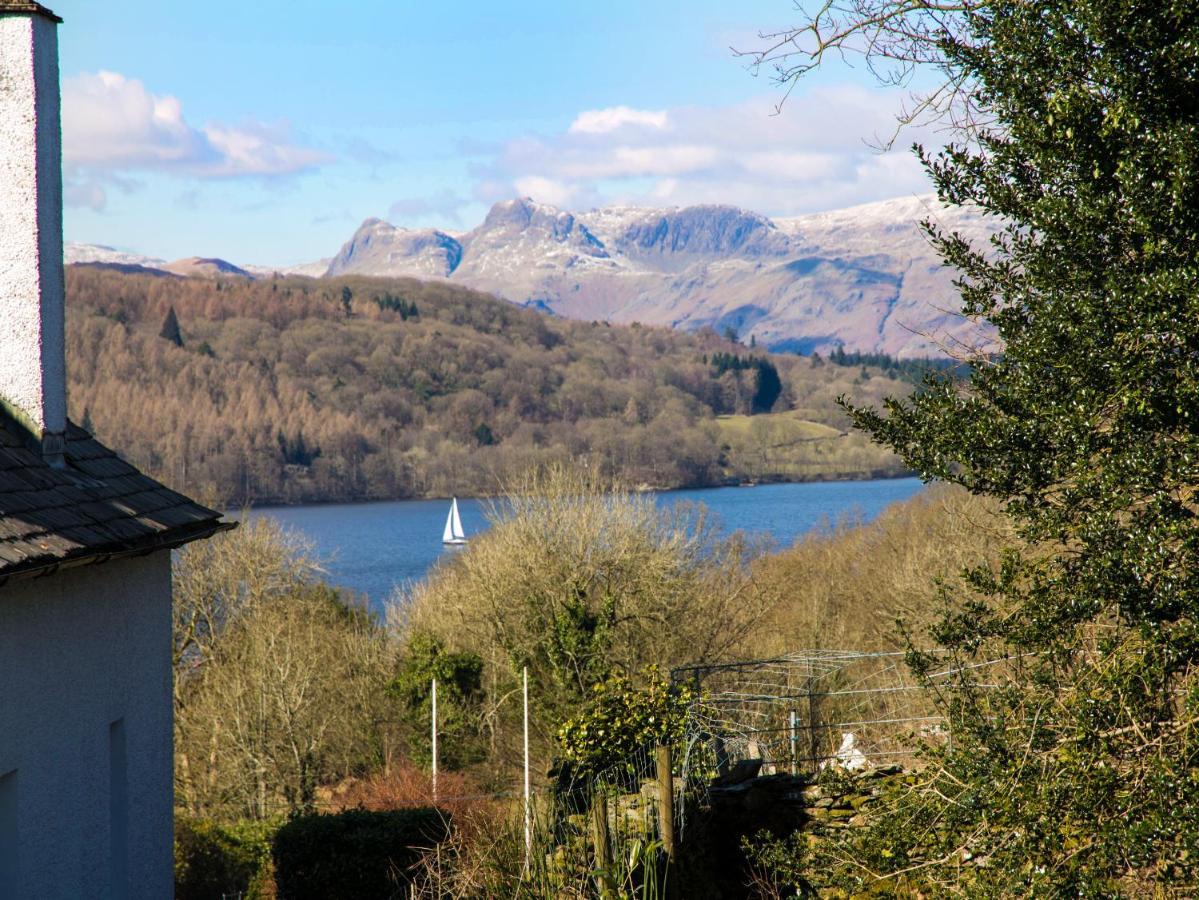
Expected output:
(666, 815)
(602, 837)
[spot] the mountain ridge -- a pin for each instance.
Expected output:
(862, 278)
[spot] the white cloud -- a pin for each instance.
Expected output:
(114, 125)
(546, 190)
(614, 118)
(817, 154)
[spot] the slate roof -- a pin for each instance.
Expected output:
(94, 508)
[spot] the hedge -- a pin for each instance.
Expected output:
(354, 855)
(214, 861)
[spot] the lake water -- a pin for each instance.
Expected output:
(373, 547)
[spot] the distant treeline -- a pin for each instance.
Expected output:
(294, 390)
(908, 369)
(769, 386)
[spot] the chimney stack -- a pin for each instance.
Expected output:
(33, 385)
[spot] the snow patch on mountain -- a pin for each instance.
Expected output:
(75, 253)
(380, 248)
(864, 278)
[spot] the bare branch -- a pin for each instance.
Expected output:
(895, 39)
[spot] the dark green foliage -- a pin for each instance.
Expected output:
(214, 860)
(912, 369)
(484, 435)
(780, 862)
(397, 305)
(728, 362)
(621, 720)
(347, 301)
(170, 329)
(459, 700)
(355, 854)
(768, 388)
(767, 384)
(297, 451)
(1079, 774)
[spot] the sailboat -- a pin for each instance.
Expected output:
(453, 534)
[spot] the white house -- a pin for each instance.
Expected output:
(85, 570)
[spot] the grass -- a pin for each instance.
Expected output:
(782, 428)
(786, 446)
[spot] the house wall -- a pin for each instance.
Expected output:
(85, 733)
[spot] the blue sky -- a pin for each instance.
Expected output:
(265, 132)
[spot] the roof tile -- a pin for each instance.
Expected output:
(94, 506)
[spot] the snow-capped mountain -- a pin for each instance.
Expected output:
(75, 253)
(380, 248)
(864, 278)
(314, 269)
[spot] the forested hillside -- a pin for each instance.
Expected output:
(293, 390)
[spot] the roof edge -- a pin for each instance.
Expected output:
(28, 7)
(169, 540)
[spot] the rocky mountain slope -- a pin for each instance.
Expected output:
(201, 267)
(862, 278)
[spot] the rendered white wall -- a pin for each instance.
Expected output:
(32, 359)
(79, 651)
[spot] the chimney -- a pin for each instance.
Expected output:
(32, 356)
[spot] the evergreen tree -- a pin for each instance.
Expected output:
(484, 436)
(768, 388)
(1078, 774)
(170, 329)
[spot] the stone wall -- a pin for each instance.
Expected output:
(735, 807)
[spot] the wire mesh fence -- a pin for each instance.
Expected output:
(808, 709)
(792, 714)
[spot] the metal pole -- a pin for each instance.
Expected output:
(794, 743)
(434, 740)
(528, 805)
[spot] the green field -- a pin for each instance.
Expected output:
(781, 428)
(786, 446)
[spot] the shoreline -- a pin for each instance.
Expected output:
(638, 489)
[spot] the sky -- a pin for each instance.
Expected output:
(266, 132)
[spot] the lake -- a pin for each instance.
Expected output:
(372, 547)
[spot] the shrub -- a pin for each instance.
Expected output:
(576, 579)
(354, 854)
(620, 720)
(213, 860)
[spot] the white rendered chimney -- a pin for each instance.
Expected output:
(32, 357)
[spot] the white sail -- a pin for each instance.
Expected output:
(453, 533)
(456, 522)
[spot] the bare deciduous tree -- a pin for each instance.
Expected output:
(894, 39)
(280, 687)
